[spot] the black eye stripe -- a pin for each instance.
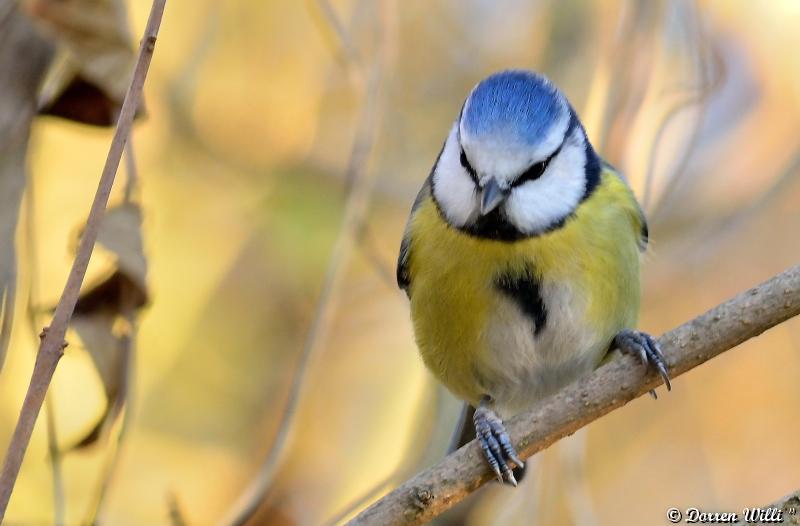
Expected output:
(536, 170)
(468, 167)
(531, 174)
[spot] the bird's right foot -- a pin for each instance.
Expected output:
(496, 444)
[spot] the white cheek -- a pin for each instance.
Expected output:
(536, 205)
(452, 186)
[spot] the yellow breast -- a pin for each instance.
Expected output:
(455, 301)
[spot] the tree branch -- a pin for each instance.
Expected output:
(442, 486)
(360, 182)
(52, 345)
(789, 506)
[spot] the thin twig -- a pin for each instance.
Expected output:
(572, 456)
(123, 400)
(382, 268)
(8, 297)
(176, 516)
(442, 486)
(421, 447)
(131, 172)
(54, 453)
(354, 212)
(52, 344)
(122, 403)
(789, 507)
(6, 10)
(625, 92)
(711, 67)
(709, 237)
(351, 59)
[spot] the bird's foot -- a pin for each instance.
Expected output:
(496, 444)
(646, 348)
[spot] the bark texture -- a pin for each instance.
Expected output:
(790, 511)
(52, 345)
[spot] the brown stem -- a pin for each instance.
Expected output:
(52, 345)
(789, 507)
(442, 486)
(360, 182)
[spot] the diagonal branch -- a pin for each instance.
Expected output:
(360, 182)
(725, 326)
(783, 511)
(52, 345)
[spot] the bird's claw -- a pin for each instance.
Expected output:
(647, 349)
(496, 444)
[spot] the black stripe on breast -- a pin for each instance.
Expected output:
(525, 291)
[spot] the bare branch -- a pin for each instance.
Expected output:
(789, 507)
(360, 183)
(421, 447)
(710, 66)
(442, 486)
(52, 344)
(351, 59)
(131, 172)
(383, 268)
(54, 453)
(123, 402)
(176, 516)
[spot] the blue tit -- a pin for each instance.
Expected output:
(521, 258)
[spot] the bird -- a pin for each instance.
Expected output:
(521, 259)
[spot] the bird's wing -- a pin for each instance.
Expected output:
(639, 218)
(403, 277)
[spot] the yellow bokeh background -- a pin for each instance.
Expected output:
(252, 112)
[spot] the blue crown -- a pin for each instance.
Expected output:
(520, 106)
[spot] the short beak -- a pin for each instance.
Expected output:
(491, 196)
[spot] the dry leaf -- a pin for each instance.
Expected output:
(104, 316)
(24, 57)
(95, 61)
(109, 352)
(121, 233)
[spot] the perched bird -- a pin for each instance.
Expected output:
(521, 258)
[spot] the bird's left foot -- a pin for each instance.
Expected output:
(646, 348)
(496, 444)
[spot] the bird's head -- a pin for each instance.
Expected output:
(516, 162)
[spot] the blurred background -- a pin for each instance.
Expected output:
(241, 348)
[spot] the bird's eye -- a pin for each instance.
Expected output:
(531, 174)
(536, 170)
(468, 167)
